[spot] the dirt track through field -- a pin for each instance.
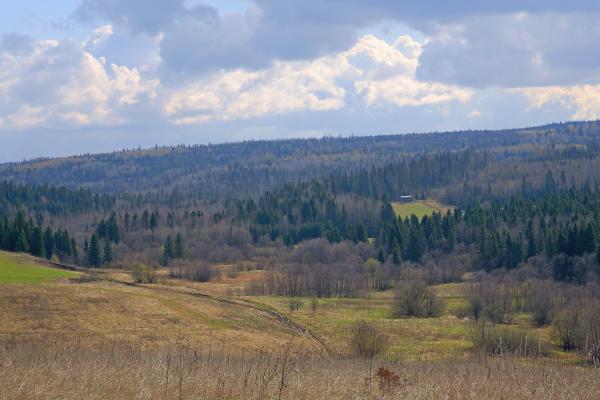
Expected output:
(262, 308)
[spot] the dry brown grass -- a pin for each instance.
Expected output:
(217, 372)
(99, 313)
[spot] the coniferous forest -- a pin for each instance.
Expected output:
(525, 199)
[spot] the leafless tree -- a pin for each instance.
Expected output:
(416, 299)
(541, 301)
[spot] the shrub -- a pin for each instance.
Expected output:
(294, 304)
(367, 340)
(314, 304)
(143, 274)
(491, 300)
(500, 341)
(416, 299)
(578, 328)
(388, 380)
(198, 273)
(541, 302)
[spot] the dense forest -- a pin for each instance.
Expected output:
(320, 209)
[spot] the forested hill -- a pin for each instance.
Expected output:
(525, 198)
(249, 168)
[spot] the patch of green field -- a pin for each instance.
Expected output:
(17, 268)
(419, 208)
(410, 339)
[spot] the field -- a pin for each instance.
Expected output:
(419, 208)
(111, 309)
(181, 339)
(179, 373)
(20, 268)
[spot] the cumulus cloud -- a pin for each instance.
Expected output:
(582, 100)
(59, 83)
(198, 38)
(372, 71)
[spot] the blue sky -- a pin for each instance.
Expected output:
(80, 76)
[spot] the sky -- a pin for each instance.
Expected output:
(88, 76)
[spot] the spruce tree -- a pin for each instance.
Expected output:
(179, 249)
(107, 256)
(94, 259)
(36, 244)
(168, 250)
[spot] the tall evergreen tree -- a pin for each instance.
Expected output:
(94, 258)
(36, 244)
(107, 256)
(179, 247)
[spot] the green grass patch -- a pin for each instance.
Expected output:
(18, 268)
(419, 208)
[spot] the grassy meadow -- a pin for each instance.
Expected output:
(21, 268)
(419, 208)
(177, 339)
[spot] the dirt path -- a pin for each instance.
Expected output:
(261, 307)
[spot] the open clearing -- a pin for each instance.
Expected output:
(180, 339)
(21, 268)
(419, 208)
(173, 311)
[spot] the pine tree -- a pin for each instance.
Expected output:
(36, 244)
(107, 256)
(112, 228)
(74, 250)
(178, 250)
(168, 250)
(414, 249)
(94, 258)
(153, 221)
(381, 256)
(21, 242)
(49, 243)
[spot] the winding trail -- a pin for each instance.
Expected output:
(254, 305)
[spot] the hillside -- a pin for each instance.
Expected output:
(262, 266)
(248, 168)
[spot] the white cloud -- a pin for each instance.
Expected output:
(54, 83)
(582, 100)
(372, 70)
(99, 36)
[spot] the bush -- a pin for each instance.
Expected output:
(416, 299)
(491, 300)
(500, 341)
(578, 328)
(143, 274)
(367, 340)
(314, 304)
(294, 304)
(541, 302)
(198, 273)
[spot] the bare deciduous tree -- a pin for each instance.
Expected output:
(416, 299)
(541, 302)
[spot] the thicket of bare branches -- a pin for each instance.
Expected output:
(193, 271)
(415, 299)
(316, 268)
